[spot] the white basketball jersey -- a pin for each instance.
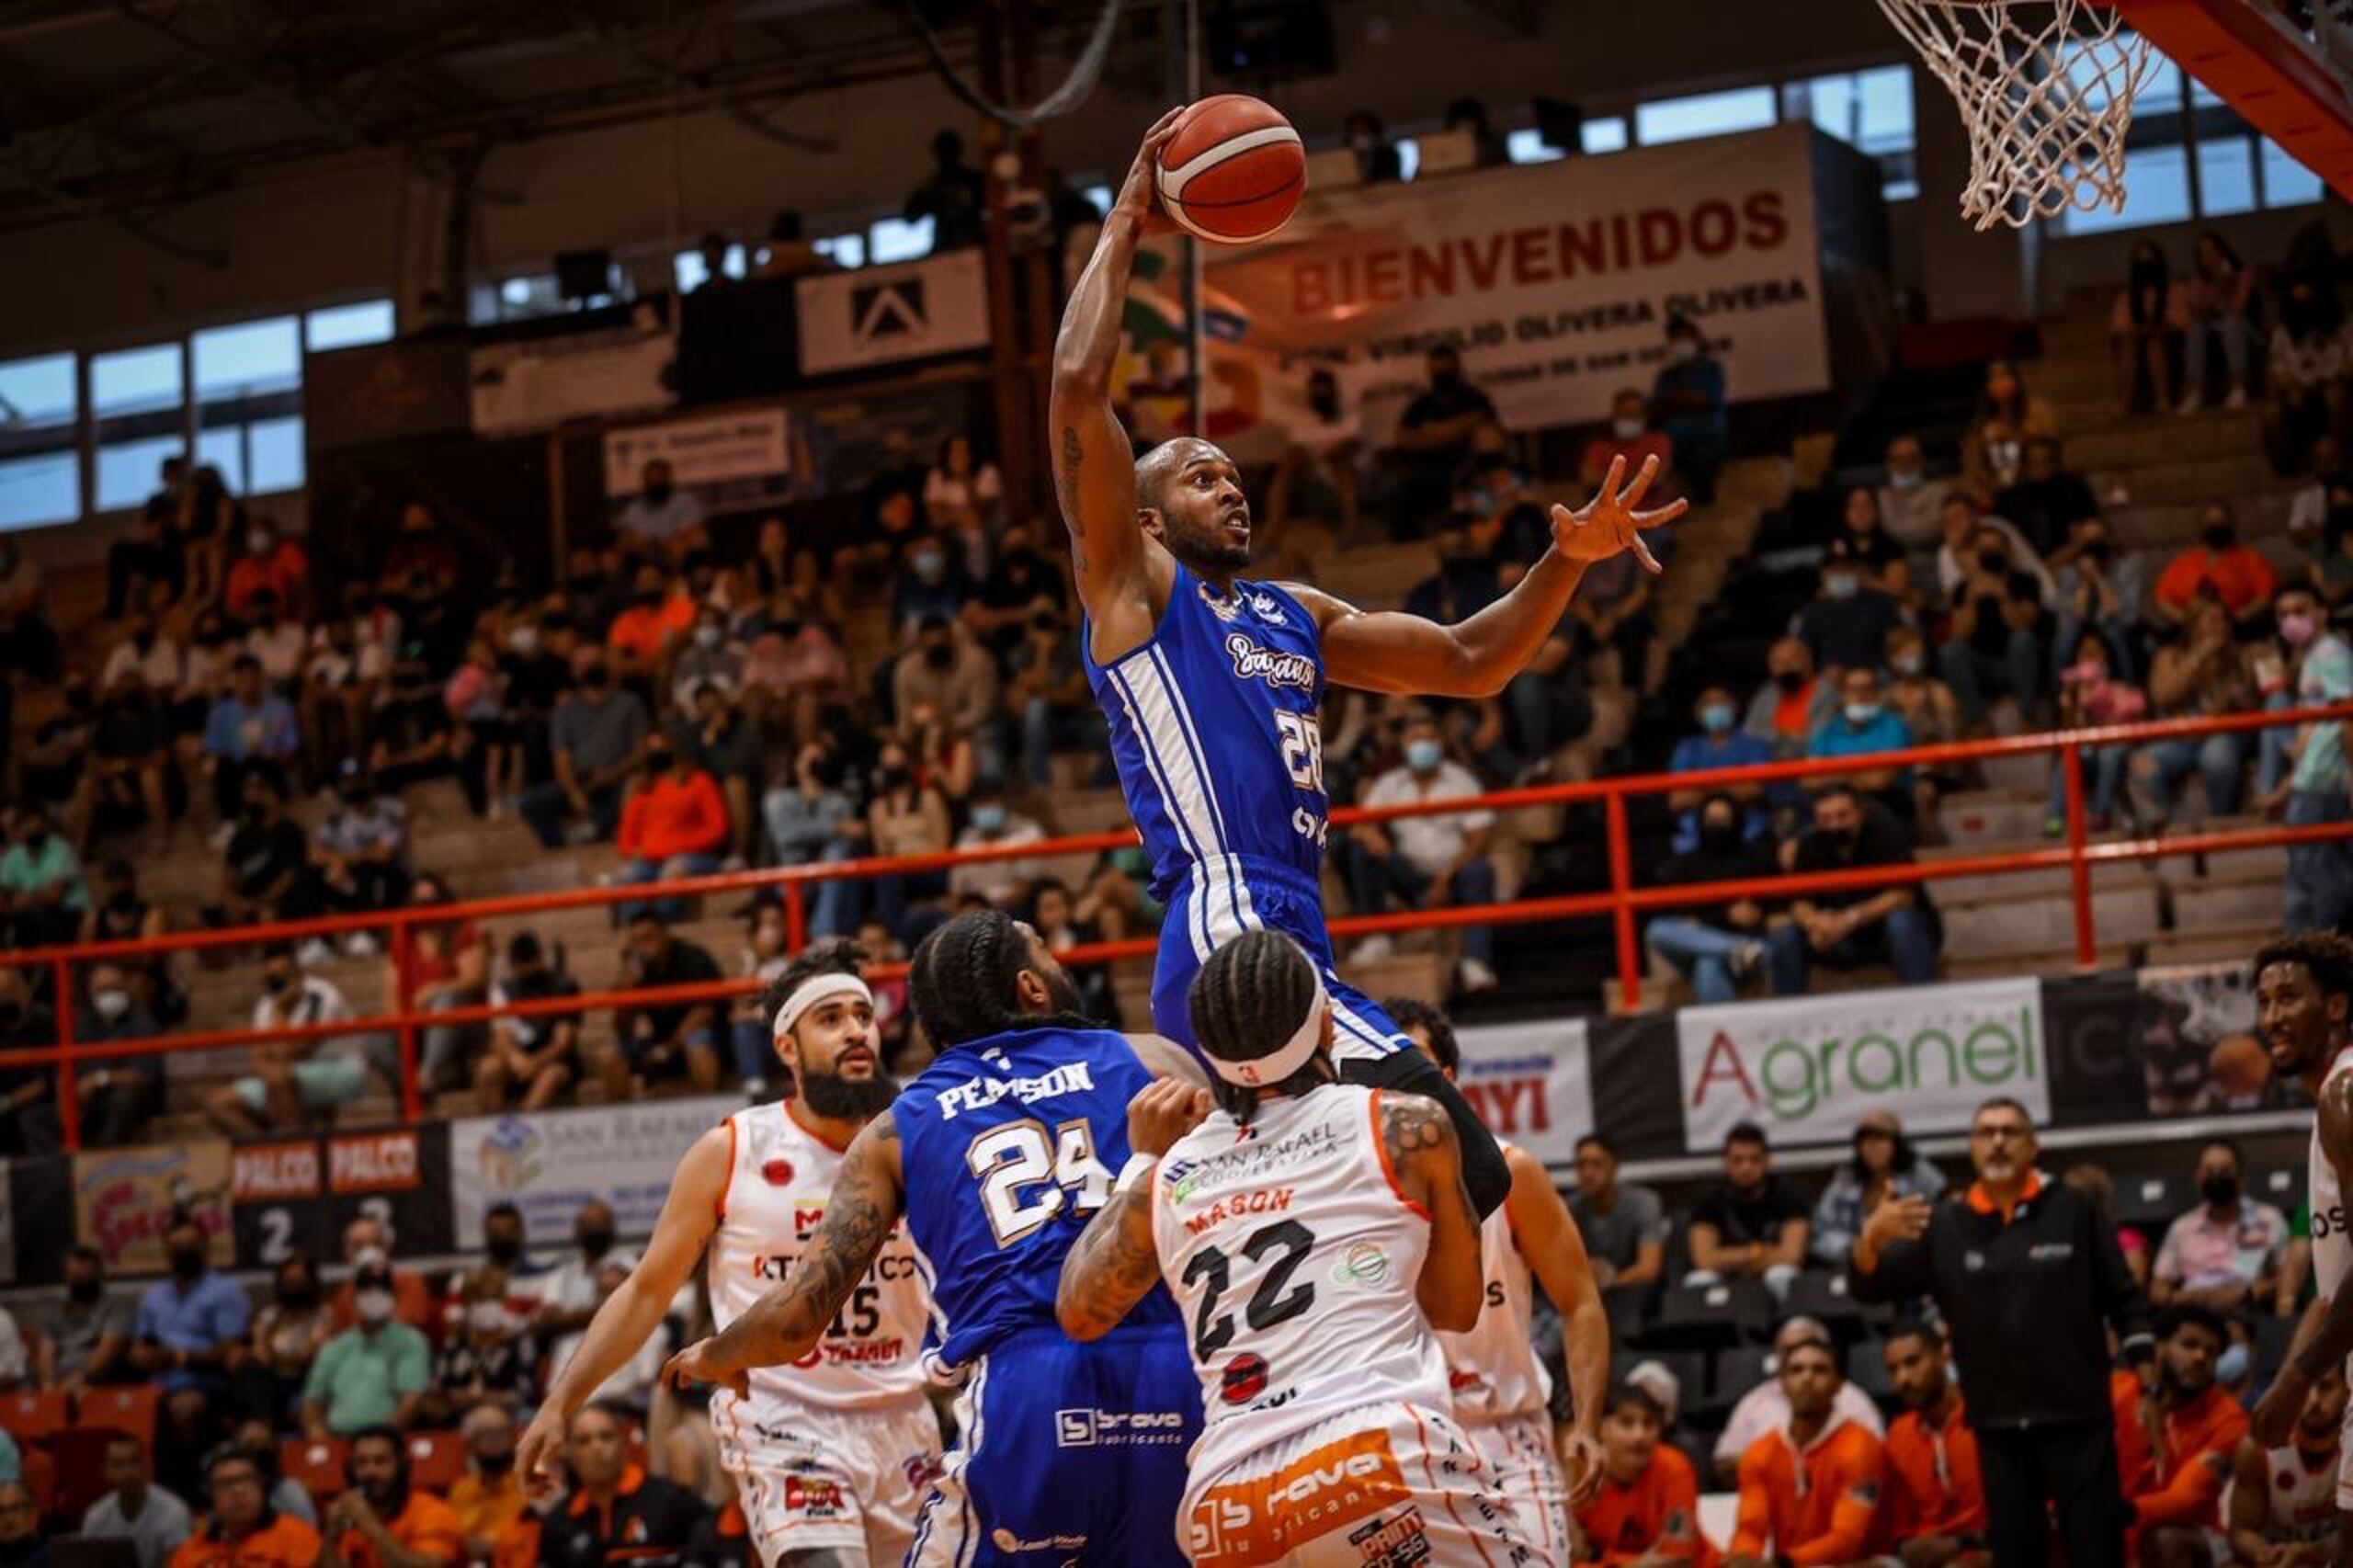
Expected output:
(776, 1198)
(1293, 1256)
(2332, 1249)
(1492, 1368)
(2304, 1495)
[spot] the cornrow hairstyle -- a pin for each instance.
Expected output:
(963, 982)
(1248, 999)
(2328, 956)
(1413, 1013)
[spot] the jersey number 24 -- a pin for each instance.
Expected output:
(1028, 1175)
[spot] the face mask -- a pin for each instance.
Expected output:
(1716, 717)
(1791, 681)
(2296, 630)
(596, 677)
(188, 1263)
(1993, 560)
(707, 636)
(1453, 378)
(298, 1295)
(2221, 1189)
(1682, 350)
(2231, 1364)
(1899, 480)
(503, 1251)
(1861, 712)
(587, 582)
(595, 1243)
(2218, 536)
(930, 565)
(1840, 585)
(86, 1290)
(282, 982)
(494, 1464)
(657, 493)
(523, 638)
(988, 819)
(1325, 405)
(940, 657)
(1718, 839)
(2004, 455)
(111, 1003)
(2099, 549)
(1626, 429)
(373, 1306)
(1904, 663)
(1423, 756)
(657, 762)
(143, 639)
(258, 542)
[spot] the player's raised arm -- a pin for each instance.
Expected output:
(1391, 652)
(1094, 477)
(785, 1325)
(1427, 1160)
(1116, 1262)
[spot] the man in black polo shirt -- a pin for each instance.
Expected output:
(615, 1512)
(1433, 437)
(2030, 1279)
(1852, 927)
(661, 1041)
(1752, 1224)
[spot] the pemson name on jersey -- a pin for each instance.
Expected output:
(979, 1094)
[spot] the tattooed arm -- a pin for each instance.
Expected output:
(1123, 577)
(786, 1323)
(1116, 1262)
(1425, 1164)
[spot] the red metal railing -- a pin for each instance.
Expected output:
(1623, 901)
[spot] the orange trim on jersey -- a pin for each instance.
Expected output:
(1422, 1431)
(792, 1109)
(718, 1210)
(1380, 1151)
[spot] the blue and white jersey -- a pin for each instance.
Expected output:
(1220, 756)
(1008, 1146)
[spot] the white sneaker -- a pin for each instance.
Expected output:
(362, 944)
(1474, 977)
(1374, 948)
(314, 954)
(223, 835)
(2237, 398)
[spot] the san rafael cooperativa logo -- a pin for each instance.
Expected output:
(1805, 1068)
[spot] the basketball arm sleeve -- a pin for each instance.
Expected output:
(1484, 1174)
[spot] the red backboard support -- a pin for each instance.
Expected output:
(2268, 71)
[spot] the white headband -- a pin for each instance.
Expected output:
(815, 989)
(1285, 1059)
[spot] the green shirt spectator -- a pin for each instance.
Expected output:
(369, 1375)
(41, 862)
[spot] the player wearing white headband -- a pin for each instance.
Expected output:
(833, 1454)
(1313, 1233)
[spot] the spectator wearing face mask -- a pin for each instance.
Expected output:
(1847, 626)
(374, 1373)
(2143, 324)
(190, 1329)
(361, 850)
(658, 616)
(594, 737)
(994, 825)
(1718, 742)
(288, 1332)
(675, 825)
(270, 565)
(1895, 926)
(1021, 584)
(2320, 876)
(1911, 504)
(537, 1054)
(1687, 403)
(1628, 435)
(2092, 696)
(1993, 646)
(28, 1122)
(1427, 862)
(813, 819)
(1993, 452)
(413, 731)
(1433, 437)
(119, 1094)
(2221, 565)
(488, 742)
(708, 657)
(489, 1360)
(1962, 521)
(907, 816)
(251, 727)
(2048, 500)
(85, 1338)
(2224, 1254)
(294, 1080)
(949, 674)
(1046, 695)
(2100, 588)
(266, 871)
(1791, 703)
(489, 1497)
(2199, 676)
(43, 894)
(1865, 726)
(1715, 946)
(1926, 703)
(661, 518)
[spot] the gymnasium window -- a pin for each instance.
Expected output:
(1870, 110)
(1703, 114)
(348, 326)
(138, 397)
(40, 471)
(1528, 146)
(248, 404)
(895, 239)
(692, 272)
(846, 250)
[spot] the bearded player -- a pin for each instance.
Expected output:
(833, 1454)
(2303, 987)
(1211, 683)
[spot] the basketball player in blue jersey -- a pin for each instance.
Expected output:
(1211, 683)
(996, 1156)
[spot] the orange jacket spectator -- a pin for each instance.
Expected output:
(518, 1545)
(642, 632)
(669, 815)
(425, 1526)
(2241, 577)
(1625, 1524)
(284, 569)
(2180, 1483)
(1933, 1486)
(1818, 1506)
(282, 1542)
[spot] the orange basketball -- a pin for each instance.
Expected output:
(1235, 170)
(2239, 1066)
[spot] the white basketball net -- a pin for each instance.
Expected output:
(2045, 88)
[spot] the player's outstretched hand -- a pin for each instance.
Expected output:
(538, 1457)
(1581, 1465)
(1139, 193)
(699, 1363)
(1612, 521)
(1163, 1111)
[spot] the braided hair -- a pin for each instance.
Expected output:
(1250, 997)
(965, 978)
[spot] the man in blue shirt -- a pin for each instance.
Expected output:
(1721, 742)
(190, 1330)
(1863, 724)
(250, 727)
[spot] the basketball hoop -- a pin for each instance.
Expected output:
(2045, 88)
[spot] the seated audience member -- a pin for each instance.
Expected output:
(361, 850)
(29, 1120)
(1994, 645)
(1895, 926)
(2048, 500)
(2099, 587)
(2144, 326)
(487, 744)
(1885, 1163)
(594, 739)
(1750, 1225)
(907, 815)
(1862, 539)
(1612, 612)
(265, 871)
(2311, 356)
(675, 825)
(1433, 437)
(2175, 1439)
(1718, 946)
(413, 736)
(661, 519)
(1718, 742)
(1648, 1508)
(947, 672)
(1926, 703)
(1847, 626)
(134, 1508)
(537, 1054)
(2201, 676)
(366, 1248)
(490, 1359)
(85, 1338)
(133, 782)
(2226, 1253)
(1793, 701)
(810, 819)
(489, 1496)
(250, 729)
(288, 1496)
(1427, 862)
(2313, 759)
(723, 743)
(1935, 1511)
(1863, 726)
(1992, 449)
(1623, 1225)
(2218, 566)
(994, 824)
(384, 1520)
(2218, 301)
(286, 1335)
(933, 583)
(706, 657)
(243, 1528)
(1963, 519)
(22, 1545)
(449, 968)
(2098, 1185)
(189, 1331)
(1627, 437)
(1688, 402)
(1810, 1488)
(293, 1081)
(659, 1042)
(2282, 1508)
(1054, 915)
(963, 495)
(613, 1511)
(272, 565)
(1911, 505)
(43, 893)
(374, 1373)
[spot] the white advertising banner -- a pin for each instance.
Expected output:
(550, 1163)
(1531, 1084)
(521, 387)
(1804, 1068)
(876, 315)
(1554, 281)
(713, 450)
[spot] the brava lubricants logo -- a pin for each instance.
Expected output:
(1932, 1063)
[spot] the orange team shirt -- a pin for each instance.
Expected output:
(645, 632)
(666, 818)
(2240, 575)
(2184, 1485)
(1933, 1487)
(284, 1542)
(1814, 1507)
(1624, 1523)
(425, 1525)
